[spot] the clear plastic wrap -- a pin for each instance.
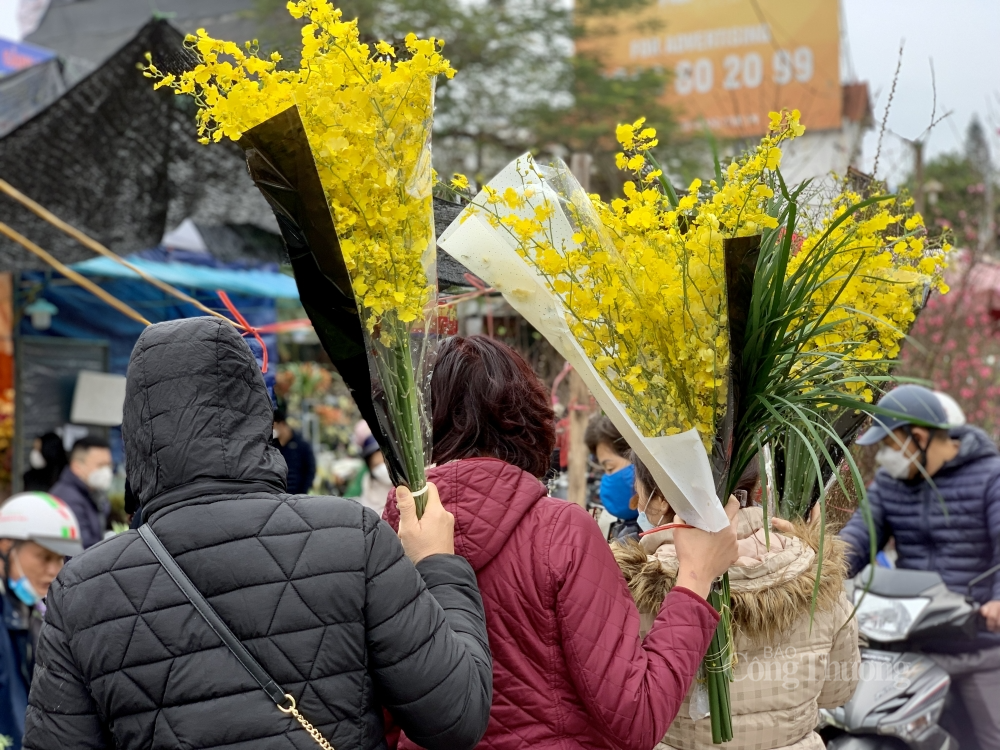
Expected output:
(351, 188)
(394, 343)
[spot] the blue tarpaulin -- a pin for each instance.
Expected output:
(27, 92)
(258, 282)
(81, 315)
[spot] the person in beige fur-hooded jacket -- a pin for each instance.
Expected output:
(791, 658)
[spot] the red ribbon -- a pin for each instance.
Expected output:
(666, 527)
(248, 330)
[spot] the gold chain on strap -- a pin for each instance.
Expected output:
(313, 731)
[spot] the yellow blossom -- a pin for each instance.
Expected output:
(644, 283)
(367, 116)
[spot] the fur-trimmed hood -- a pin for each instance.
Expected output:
(771, 587)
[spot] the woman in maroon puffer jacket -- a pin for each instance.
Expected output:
(569, 668)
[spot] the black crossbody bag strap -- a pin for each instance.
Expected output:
(208, 613)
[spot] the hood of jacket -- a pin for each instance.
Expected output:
(973, 445)
(771, 588)
(197, 415)
(488, 498)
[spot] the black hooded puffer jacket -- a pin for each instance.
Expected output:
(317, 588)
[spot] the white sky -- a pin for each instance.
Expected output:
(961, 36)
(8, 19)
(963, 39)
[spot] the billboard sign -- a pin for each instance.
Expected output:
(733, 61)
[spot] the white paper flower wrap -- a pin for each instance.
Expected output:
(679, 463)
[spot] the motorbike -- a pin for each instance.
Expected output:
(901, 693)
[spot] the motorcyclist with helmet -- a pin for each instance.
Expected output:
(37, 533)
(937, 494)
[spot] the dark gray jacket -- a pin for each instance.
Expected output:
(91, 513)
(317, 588)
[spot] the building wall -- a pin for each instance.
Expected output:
(817, 153)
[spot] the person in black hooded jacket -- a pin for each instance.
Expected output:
(318, 589)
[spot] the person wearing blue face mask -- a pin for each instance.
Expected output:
(608, 446)
(37, 533)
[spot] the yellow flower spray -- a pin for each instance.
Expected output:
(367, 113)
(643, 279)
(368, 118)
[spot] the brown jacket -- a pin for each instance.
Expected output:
(788, 664)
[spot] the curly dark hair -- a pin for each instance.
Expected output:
(487, 401)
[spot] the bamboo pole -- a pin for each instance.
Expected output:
(92, 244)
(579, 396)
(69, 273)
(576, 465)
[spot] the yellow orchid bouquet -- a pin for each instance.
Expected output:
(340, 147)
(636, 294)
(712, 326)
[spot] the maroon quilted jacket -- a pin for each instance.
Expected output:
(569, 668)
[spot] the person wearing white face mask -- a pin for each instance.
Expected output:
(778, 625)
(47, 460)
(376, 483)
(83, 486)
(937, 493)
(654, 510)
(37, 534)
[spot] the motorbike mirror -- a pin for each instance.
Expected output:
(982, 577)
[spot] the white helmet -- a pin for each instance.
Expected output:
(954, 413)
(43, 519)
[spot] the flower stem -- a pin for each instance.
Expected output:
(718, 666)
(401, 387)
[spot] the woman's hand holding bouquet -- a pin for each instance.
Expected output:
(705, 556)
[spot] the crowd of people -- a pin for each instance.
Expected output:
(502, 618)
